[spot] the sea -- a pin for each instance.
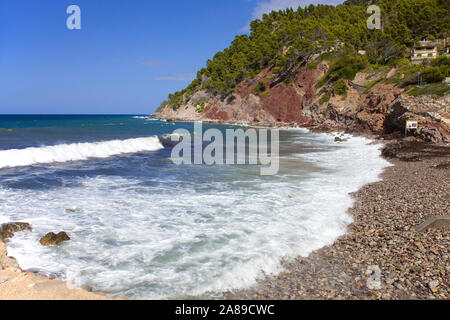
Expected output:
(143, 226)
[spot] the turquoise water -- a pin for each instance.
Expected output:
(145, 227)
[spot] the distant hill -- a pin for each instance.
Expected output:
(321, 67)
(283, 39)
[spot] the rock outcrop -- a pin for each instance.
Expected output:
(52, 239)
(381, 110)
(431, 114)
(7, 263)
(279, 103)
(16, 284)
(7, 230)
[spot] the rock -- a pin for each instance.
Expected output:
(54, 239)
(16, 226)
(411, 139)
(419, 246)
(3, 251)
(46, 286)
(5, 277)
(338, 139)
(11, 264)
(7, 230)
(434, 286)
(5, 235)
(86, 288)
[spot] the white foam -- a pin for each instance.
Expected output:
(178, 238)
(76, 151)
(148, 118)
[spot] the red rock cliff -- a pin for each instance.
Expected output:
(266, 101)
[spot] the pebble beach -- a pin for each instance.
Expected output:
(382, 256)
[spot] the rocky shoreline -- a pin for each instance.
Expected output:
(18, 284)
(382, 256)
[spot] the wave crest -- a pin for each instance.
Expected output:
(76, 151)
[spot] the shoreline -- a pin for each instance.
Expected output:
(381, 256)
(288, 126)
(301, 270)
(18, 284)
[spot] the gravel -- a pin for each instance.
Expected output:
(381, 256)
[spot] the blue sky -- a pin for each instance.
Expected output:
(128, 56)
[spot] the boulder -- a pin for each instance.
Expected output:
(338, 139)
(86, 288)
(7, 230)
(51, 238)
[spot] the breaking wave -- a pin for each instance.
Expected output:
(76, 151)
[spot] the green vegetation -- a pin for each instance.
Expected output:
(340, 87)
(430, 72)
(283, 40)
(436, 90)
(265, 94)
(372, 84)
(259, 88)
(434, 74)
(441, 61)
(201, 102)
(312, 65)
(344, 67)
(325, 98)
(201, 108)
(162, 105)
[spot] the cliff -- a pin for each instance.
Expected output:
(381, 110)
(321, 66)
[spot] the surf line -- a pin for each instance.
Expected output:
(235, 145)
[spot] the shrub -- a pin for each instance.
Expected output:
(372, 84)
(441, 61)
(265, 94)
(201, 102)
(340, 87)
(260, 87)
(312, 65)
(324, 98)
(162, 106)
(346, 67)
(403, 63)
(436, 90)
(433, 74)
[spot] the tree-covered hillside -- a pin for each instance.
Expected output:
(284, 39)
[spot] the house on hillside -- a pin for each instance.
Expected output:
(424, 50)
